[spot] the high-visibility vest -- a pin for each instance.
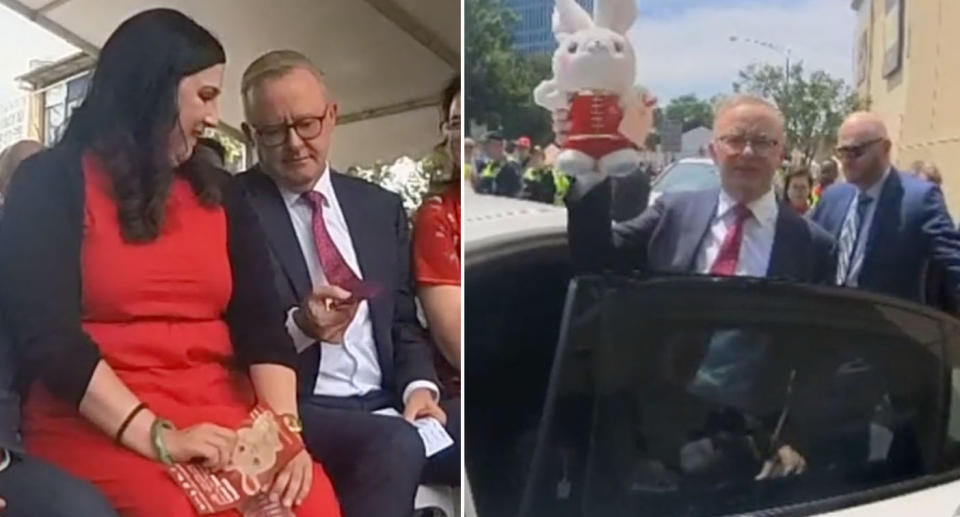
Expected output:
(490, 171)
(531, 174)
(562, 183)
(467, 171)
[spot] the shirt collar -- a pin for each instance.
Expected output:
(324, 186)
(763, 209)
(874, 190)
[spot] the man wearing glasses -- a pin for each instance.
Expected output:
(737, 229)
(891, 227)
(342, 257)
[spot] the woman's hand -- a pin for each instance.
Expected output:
(208, 442)
(293, 483)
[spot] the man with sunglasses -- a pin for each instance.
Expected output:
(891, 227)
(342, 264)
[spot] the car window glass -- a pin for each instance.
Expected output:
(669, 396)
(951, 453)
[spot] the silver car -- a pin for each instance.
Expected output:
(684, 175)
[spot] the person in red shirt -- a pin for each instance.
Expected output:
(436, 252)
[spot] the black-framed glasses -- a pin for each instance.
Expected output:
(759, 144)
(277, 134)
(852, 152)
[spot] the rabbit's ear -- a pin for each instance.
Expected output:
(616, 15)
(569, 17)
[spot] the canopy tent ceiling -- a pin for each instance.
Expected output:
(385, 60)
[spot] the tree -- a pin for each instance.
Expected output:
(691, 111)
(527, 117)
(814, 106)
(499, 82)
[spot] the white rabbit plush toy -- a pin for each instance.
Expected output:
(594, 71)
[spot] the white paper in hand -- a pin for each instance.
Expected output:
(435, 438)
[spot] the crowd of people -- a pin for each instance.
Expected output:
(150, 299)
(513, 169)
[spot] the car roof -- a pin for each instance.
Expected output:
(492, 220)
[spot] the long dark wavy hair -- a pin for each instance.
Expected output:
(131, 108)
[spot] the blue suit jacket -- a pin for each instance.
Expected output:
(667, 237)
(911, 231)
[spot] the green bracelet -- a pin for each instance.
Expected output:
(158, 446)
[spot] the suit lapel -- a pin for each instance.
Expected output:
(281, 235)
(367, 243)
(783, 254)
(885, 215)
(362, 235)
(694, 225)
(839, 215)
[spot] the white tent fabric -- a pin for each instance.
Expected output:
(385, 60)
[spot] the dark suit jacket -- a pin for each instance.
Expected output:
(911, 231)
(666, 238)
(41, 237)
(9, 398)
(9, 401)
(380, 235)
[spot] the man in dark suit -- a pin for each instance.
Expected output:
(738, 229)
(890, 227)
(342, 252)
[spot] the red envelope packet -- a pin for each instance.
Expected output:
(364, 291)
(264, 446)
(261, 506)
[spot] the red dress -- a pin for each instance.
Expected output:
(155, 311)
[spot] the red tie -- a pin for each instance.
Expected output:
(726, 263)
(336, 270)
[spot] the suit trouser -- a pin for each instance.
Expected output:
(376, 462)
(33, 488)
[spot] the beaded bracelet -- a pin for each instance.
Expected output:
(159, 448)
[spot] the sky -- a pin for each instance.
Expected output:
(20, 42)
(683, 46)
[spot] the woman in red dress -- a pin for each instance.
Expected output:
(139, 288)
(436, 251)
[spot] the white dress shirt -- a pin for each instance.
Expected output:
(352, 368)
(856, 262)
(758, 234)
